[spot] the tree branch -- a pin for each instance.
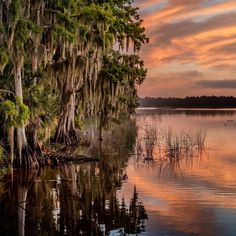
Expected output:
(7, 91)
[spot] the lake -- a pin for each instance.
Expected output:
(164, 172)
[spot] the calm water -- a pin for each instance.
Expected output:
(192, 195)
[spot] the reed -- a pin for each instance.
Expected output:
(150, 140)
(167, 145)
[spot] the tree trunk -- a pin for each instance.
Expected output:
(21, 138)
(11, 141)
(24, 158)
(36, 146)
(32, 135)
(35, 123)
(66, 131)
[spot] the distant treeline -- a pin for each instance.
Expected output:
(190, 102)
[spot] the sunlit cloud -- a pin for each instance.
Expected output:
(187, 32)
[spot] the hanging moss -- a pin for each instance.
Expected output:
(60, 31)
(4, 59)
(23, 31)
(63, 53)
(14, 10)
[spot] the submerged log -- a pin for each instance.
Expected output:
(57, 158)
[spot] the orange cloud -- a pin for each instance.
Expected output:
(183, 10)
(189, 32)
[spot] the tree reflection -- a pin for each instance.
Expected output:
(75, 199)
(14, 202)
(134, 218)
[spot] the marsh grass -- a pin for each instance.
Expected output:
(167, 145)
(150, 140)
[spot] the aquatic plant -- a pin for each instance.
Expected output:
(183, 145)
(166, 145)
(150, 139)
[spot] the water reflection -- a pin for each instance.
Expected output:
(75, 200)
(194, 194)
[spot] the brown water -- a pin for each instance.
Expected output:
(194, 195)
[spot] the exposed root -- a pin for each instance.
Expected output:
(68, 138)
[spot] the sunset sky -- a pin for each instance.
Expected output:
(192, 49)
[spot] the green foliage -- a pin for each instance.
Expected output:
(118, 67)
(61, 31)
(83, 32)
(42, 101)
(23, 32)
(114, 71)
(9, 109)
(14, 10)
(23, 112)
(95, 13)
(16, 114)
(128, 26)
(66, 24)
(3, 171)
(64, 47)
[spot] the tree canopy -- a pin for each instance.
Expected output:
(61, 61)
